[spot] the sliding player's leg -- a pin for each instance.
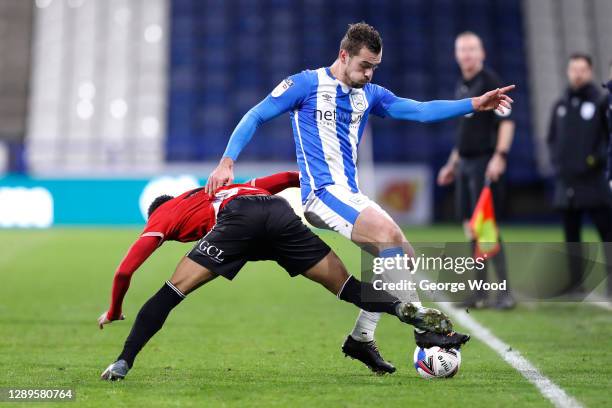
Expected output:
(331, 273)
(187, 277)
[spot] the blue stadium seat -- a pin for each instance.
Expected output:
(226, 55)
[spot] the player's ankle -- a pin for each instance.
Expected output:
(363, 337)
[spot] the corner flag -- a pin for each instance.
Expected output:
(483, 225)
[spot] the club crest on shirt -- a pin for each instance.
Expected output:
(282, 87)
(587, 110)
(358, 102)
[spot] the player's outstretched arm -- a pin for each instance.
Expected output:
(426, 112)
(137, 254)
(407, 109)
(278, 182)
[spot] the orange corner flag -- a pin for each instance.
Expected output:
(483, 225)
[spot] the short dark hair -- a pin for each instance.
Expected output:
(361, 35)
(583, 56)
(157, 202)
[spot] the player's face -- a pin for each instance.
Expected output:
(360, 68)
(579, 73)
(469, 52)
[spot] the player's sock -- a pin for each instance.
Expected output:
(366, 323)
(149, 320)
(397, 275)
(365, 326)
(364, 296)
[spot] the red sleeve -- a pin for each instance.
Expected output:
(137, 254)
(277, 182)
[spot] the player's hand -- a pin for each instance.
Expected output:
(446, 175)
(495, 168)
(221, 176)
(103, 319)
(494, 100)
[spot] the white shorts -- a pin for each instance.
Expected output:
(336, 208)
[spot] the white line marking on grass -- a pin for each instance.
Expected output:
(602, 305)
(547, 388)
(599, 301)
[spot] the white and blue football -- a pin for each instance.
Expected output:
(436, 362)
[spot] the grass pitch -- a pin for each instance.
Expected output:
(264, 339)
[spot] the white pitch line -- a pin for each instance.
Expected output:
(598, 301)
(602, 305)
(547, 388)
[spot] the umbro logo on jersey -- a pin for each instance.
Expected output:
(326, 97)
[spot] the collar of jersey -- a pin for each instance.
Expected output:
(344, 87)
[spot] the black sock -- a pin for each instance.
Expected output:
(364, 296)
(149, 320)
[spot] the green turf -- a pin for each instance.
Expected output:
(262, 340)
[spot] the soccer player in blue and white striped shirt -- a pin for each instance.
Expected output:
(329, 108)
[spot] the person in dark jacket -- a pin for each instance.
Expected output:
(578, 142)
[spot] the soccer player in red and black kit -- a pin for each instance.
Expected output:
(237, 224)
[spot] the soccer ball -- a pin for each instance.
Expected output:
(436, 362)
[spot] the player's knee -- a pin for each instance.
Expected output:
(390, 233)
(408, 250)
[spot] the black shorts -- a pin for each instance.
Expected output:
(258, 228)
(470, 181)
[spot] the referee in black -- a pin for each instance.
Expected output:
(481, 152)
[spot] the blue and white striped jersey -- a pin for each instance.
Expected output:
(328, 119)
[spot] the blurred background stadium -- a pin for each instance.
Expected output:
(114, 101)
